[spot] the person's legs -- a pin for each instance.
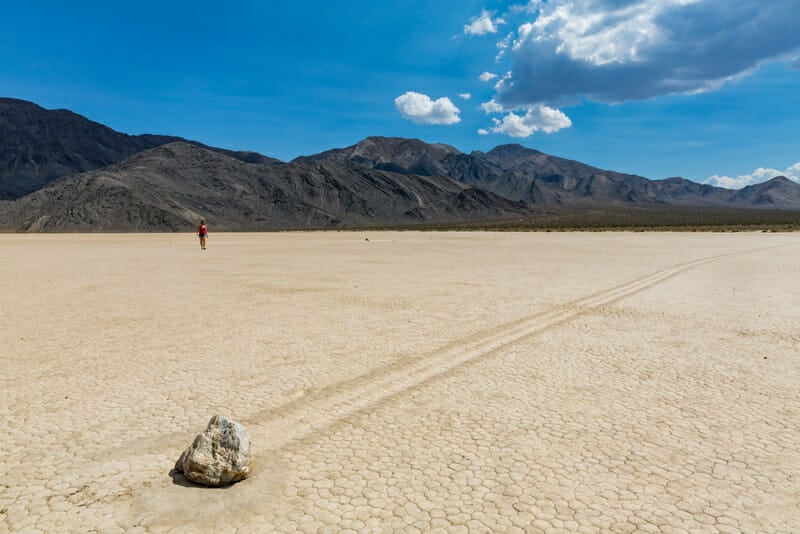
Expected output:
(203, 243)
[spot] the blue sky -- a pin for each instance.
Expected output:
(705, 89)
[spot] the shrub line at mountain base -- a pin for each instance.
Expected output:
(650, 219)
(563, 219)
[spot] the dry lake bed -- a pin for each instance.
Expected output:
(403, 381)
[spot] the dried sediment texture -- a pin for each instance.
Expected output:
(409, 383)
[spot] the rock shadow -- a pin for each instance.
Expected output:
(179, 480)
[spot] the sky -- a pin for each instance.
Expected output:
(704, 89)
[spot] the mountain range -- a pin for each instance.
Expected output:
(60, 171)
(38, 146)
(519, 173)
(169, 188)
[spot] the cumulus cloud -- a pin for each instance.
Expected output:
(501, 83)
(756, 177)
(483, 24)
(487, 76)
(421, 109)
(492, 107)
(465, 96)
(536, 118)
(503, 46)
(618, 50)
(530, 7)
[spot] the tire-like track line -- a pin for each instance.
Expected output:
(299, 419)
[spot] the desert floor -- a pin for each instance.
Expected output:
(404, 382)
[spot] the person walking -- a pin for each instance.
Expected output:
(202, 233)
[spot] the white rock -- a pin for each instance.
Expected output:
(219, 456)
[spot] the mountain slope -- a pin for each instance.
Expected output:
(523, 174)
(38, 146)
(512, 171)
(172, 186)
(396, 154)
(778, 193)
(526, 174)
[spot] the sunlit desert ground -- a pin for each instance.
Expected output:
(404, 382)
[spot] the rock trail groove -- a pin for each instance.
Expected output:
(301, 418)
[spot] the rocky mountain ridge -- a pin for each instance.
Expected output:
(524, 174)
(38, 146)
(170, 187)
(60, 171)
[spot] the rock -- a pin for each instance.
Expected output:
(219, 456)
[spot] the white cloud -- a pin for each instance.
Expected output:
(618, 50)
(536, 118)
(492, 107)
(796, 63)
(483, 131)
(483, 24)
(756, 177)
(465, 96)
(530, 7)
(487, 76)
(421, 109)
(503, 45)
(502, 82)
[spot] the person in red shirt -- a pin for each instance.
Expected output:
(202, 232)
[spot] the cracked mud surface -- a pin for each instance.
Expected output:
(415, 382)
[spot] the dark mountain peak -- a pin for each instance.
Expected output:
(38, 146)
(248, 156)
(334, 154)
(375, 150)
(16, 103)
(778, 182)
(513, 150)
(24, 118)
(174, 150)
(676, 180)
(781, 181)
(393, 146)
(779, 192)
(22, 114)
(396, 154)
(402, 155)
(178, 156)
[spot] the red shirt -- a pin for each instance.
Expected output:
(202, 230)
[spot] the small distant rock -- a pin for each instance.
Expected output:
(219, 456)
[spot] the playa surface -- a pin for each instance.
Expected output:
(404, 382)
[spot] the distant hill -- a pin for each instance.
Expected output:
(780, 192)
(396, 154)
(519, 173)
(38, 146)
(171, 187)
